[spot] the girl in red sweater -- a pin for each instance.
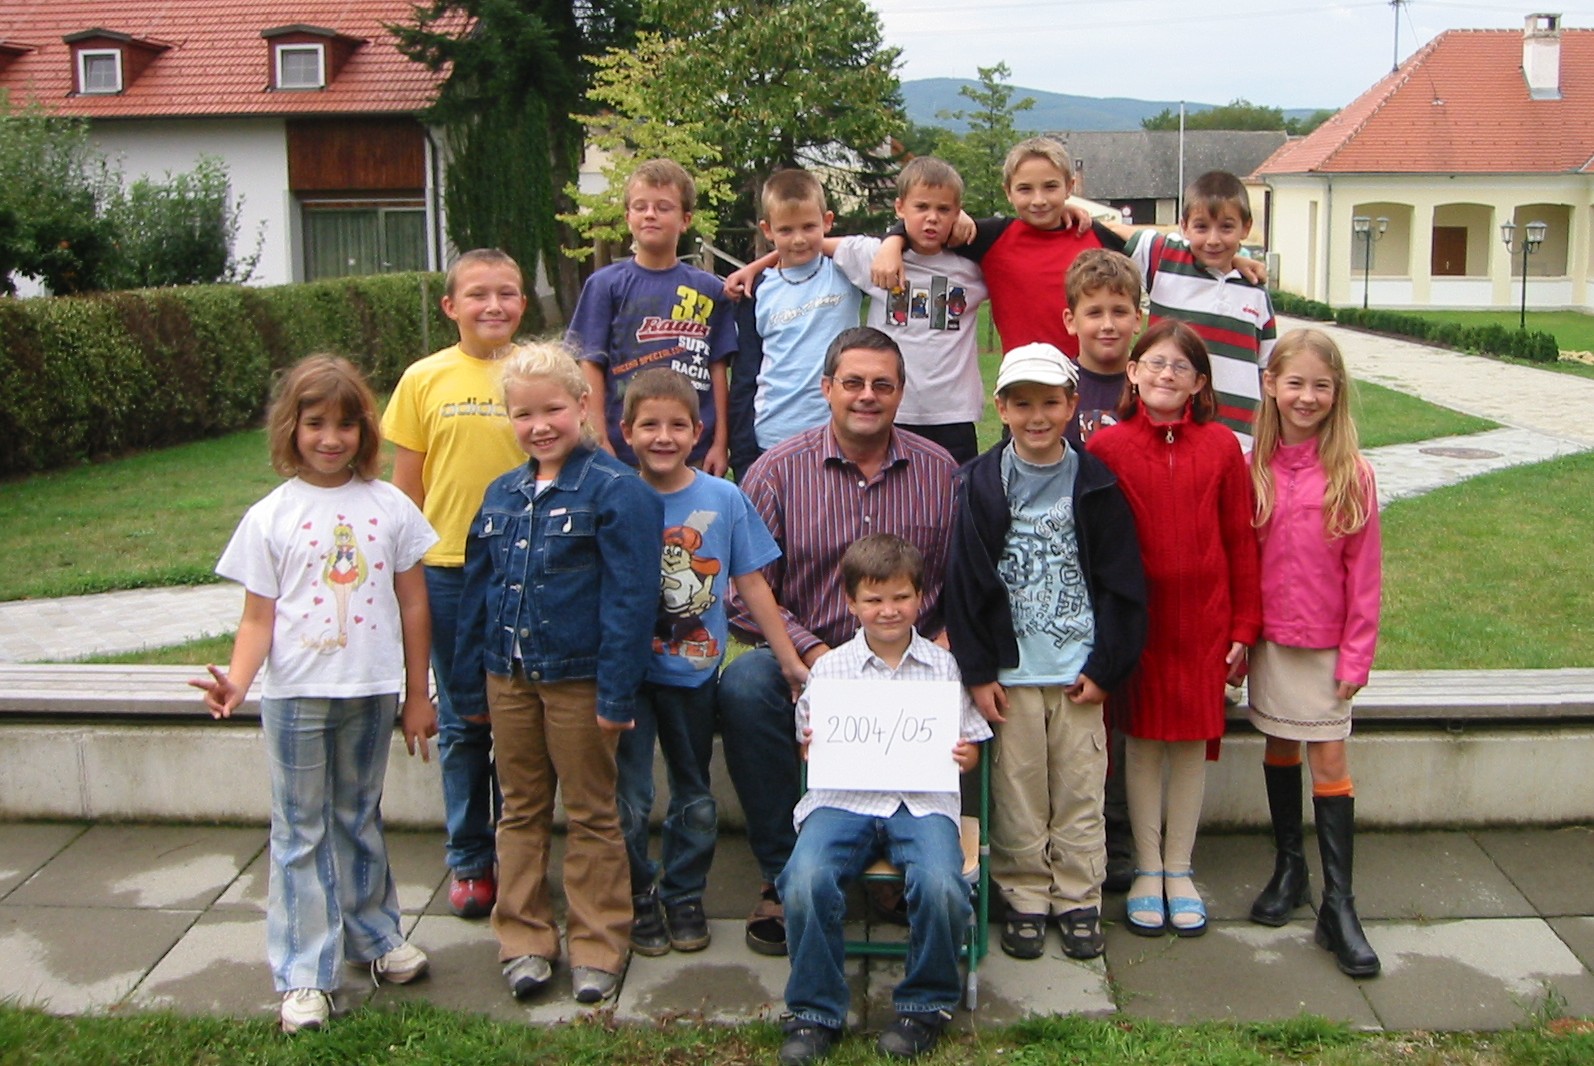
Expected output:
(1317, 517)
(1190, 491)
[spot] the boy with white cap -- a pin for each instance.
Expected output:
(1046, 612)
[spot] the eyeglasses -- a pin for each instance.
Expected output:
(1157, 365)
(879, 386)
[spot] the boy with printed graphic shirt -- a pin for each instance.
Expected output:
(932, 316)
(713, 540)
(654, 310)
(1191, 276)
(1103, 313)
(792, 312)
(1046, 613)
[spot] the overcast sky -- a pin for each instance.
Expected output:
(1284, 53)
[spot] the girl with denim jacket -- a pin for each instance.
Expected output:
(556, 629)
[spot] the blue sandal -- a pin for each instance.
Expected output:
(1183, 905)
(1143, 904)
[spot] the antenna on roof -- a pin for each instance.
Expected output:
(1397, 5)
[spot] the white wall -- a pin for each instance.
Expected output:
(256, 156)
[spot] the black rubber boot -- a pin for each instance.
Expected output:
(1338, 928)
(1291, 884)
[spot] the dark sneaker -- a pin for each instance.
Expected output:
(1024, 935)
(472, 897)
(806, 1042)
(687, 925)
(766, 926)
(648, 935)
(1120, 874)
(1082, 936)
(912, 1035)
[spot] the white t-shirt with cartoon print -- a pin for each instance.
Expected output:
(328, 557)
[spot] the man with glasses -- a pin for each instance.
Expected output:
(818, 492)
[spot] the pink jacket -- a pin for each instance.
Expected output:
(1316, 592)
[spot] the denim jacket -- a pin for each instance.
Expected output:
(572, 576)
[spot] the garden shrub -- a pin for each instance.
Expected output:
(90, 376)
(1537, 346)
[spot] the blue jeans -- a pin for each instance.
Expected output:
(682, 719)
(834, 847)
(464, 749)
(330, 896)
(758, 726)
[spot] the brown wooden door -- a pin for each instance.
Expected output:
(1449, 251)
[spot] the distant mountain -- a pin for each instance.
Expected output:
(925, 97)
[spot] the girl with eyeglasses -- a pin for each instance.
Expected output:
(1190, 491)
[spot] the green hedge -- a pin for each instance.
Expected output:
(1537, 347)
(90, 376)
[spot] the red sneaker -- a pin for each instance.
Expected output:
(472, 897)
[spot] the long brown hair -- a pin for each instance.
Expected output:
(1204, 404)
(1345, 497)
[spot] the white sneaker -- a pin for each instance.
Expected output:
(527, 974)
(400, 966)
(305, 1008)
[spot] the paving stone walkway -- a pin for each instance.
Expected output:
(1476, 930)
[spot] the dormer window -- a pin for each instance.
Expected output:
(301, 66)
(99, 70)
(308, 57)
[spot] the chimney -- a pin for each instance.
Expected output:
(1541, 56)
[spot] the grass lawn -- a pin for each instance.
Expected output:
(424, 1034)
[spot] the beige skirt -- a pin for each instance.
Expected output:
(1294, 695)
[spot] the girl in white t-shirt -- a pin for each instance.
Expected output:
(335, 608)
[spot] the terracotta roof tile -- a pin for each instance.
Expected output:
(1459, 105)
(218, 65)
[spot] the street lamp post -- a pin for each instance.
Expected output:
(1369, 230)
(1532, 238)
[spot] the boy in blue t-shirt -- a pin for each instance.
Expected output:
(711, 533)
(654, 310)
(793, 311)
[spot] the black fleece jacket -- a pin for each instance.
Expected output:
(979, 617)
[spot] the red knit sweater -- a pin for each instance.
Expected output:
(1190, 492)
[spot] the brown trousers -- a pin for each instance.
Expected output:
(546, 737)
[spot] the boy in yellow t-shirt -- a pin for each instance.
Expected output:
(452, 439)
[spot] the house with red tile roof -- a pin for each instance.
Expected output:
(308, 103)
(1479, 130)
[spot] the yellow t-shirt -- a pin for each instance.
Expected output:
(449, 406)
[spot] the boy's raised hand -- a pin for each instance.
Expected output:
(419, 721)
(739, 282)
(886, 270)
(1076, 217)
(222, 697)
(991, 699)
(1252, 270)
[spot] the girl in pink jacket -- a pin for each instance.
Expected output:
(1317, 523)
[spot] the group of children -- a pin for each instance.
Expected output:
(1114, 560)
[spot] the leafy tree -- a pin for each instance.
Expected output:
(179, 231)
(776, 83)
(54, 188)
(1236, 115)
(1300, 127)
(518, 74)
(992, 130)
(642, 124)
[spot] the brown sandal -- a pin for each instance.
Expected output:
(766, 926)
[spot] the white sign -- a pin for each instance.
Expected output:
(883, 736)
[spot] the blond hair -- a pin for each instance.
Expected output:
(1047, 148)
(551, 361)
(322, 379)
(664, 174)
(792, 186)
(1345, 497)
(930, 172)
(483, 257)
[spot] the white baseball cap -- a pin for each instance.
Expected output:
(1040, 362)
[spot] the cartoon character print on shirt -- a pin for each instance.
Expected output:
(343, 573)
(686, 593)
(1046, 585)
(1090, 421)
